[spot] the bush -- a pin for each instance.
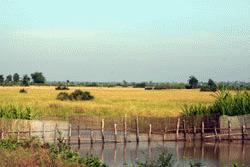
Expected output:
(23, 91)
(63, 96)
(76, 95)
(80, 95)
(62, 87)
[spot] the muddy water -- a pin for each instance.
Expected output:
(210, 154)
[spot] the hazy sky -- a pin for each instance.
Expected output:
(133, 40)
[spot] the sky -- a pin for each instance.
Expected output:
(132, 40)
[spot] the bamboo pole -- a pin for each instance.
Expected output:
(79, 135)
(125, 128)
(69, 134)
(29, 130)
(91, 136)
(115, 133)
(55, 130)
(229, 130)
(102, 131)
(202, 130)
(243, 132)
(177, 129)
(137, 129)
(2, 133)
(43, 135)
(18, 133)
(215, 134)
(149, 133)
(184, 130)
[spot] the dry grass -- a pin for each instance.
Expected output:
(108, 101)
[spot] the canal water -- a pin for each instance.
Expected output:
(209, 154)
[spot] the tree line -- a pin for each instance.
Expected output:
(25, 80)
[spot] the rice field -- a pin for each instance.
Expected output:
(109, 102)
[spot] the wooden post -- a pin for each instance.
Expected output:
(215, 134)
(91, 136)
(177, 129)
(184, 130)
(194, 132)
(55, 130)
(202, 130)
(164, 133)
(149, 133)
(29, 130)
(102, 131)
(78, 135)
(69, 134)
(229, 130)
(243, 132)
(137, 130)
(18, 133)
(2, 133)
(43, 135)
(125, 128)
(115, 133)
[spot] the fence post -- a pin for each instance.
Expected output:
(137, 129)
(69, 134)
(215, 134)
(125, 128)
(91, 137)
(2, 133)
(43, 135)
(55, 133)
(149, 133)
(184, 130)
(243, 132)
(29, 130)
(164, 133)
(194, 132)
(202, 130)
(177, 129)
(102, 130)
(115, 133)
(18, 133)
(79, 135)
(229, 130)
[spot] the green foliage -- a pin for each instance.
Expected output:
(76, 95)
(16, 78)
(26, 80)
(210, 86)
(1, 79)
(15, 112)
(193, 82)
(163, 160)
(9, 143)
(225, 104)
(38, 77)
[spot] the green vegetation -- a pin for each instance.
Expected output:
(59, 154)
(225, 104)
(15, 112)
(163, 160)
(38, 78)
(76, 95)
(210, 86)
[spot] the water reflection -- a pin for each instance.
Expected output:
(210, 154)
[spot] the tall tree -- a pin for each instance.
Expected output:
(16, 78)
(8, 79)
(26, 80)
(38, 77)
(1, 79)
(193, 82)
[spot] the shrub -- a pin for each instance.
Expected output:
(76, 95)
(23, 91)
(62, 87)
(63, 96)
(163, 160)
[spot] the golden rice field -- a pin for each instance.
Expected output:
(108, 101)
